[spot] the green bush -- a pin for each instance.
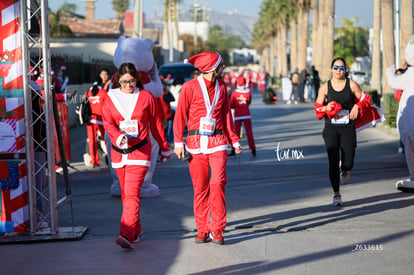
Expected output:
(390, 109)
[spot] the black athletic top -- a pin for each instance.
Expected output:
(345, 97)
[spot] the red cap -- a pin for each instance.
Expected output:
(241, 81)
(206, 61)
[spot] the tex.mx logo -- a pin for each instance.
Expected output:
(283, 154)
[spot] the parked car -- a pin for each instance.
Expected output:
(173, 69)
(359, 77)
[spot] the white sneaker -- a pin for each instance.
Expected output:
(337, 200)
(404, 184)
(345, 176)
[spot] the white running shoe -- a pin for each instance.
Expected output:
(404, 184)
(345, 176)
(337, 200)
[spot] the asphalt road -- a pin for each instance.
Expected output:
(280, 217)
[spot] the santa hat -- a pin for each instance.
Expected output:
(206, 62)
(241, 82)
(62, 66)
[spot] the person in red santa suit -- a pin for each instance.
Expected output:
(261, 80)
(96, 96)
(129, 113)
(204, 104)
(240, 101)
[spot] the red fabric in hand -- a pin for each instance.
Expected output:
(332, 113)
(318, 110)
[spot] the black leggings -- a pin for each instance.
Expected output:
(340, 142)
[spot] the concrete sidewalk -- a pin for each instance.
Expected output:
(280, 217)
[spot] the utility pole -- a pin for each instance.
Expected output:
(138, 21)
(397, 33)
(196, 7)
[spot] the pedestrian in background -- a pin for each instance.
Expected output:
(105, 81)
(240, 101)
(96, 96)
(336, 105)
(129, 113)
(204, 106)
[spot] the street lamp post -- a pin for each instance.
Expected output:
(196, 7)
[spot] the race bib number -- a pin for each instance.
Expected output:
(207, 126)
(129, 128)
(342, 117)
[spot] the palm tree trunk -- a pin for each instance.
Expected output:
(376, 52)
(315, 26)
(388, 54)
(406, 26)
(293, 45)
(320, 36)
(328, 41)
(283, 50)
(165, 42)
(303, 26)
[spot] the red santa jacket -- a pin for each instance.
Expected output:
(96, 103)
(240, 101)
(192, 107)
(145, 111)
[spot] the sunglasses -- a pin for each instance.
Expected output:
(342, 68)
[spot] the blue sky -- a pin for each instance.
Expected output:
(343, 9)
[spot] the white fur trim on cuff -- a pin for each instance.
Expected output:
(118, 140)
(236, 145)
(178, 144)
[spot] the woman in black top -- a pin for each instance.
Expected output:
(339, 133)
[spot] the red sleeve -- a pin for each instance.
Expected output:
(232, 100)
(228, 122)
(109, 122)
(184, 99)
(157, 128)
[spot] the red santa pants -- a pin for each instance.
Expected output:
(209, 196)
(92, 130)
(249, 131)
(131, 178)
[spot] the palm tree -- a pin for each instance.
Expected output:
(328, 41)
(120, 7)
(388, 54)
(319, 57)
(56, 28)
(303, 27)
(315, 26)
(406, 26)
(376, 53)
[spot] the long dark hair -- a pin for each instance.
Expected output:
(346, 66)
(127, 68)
